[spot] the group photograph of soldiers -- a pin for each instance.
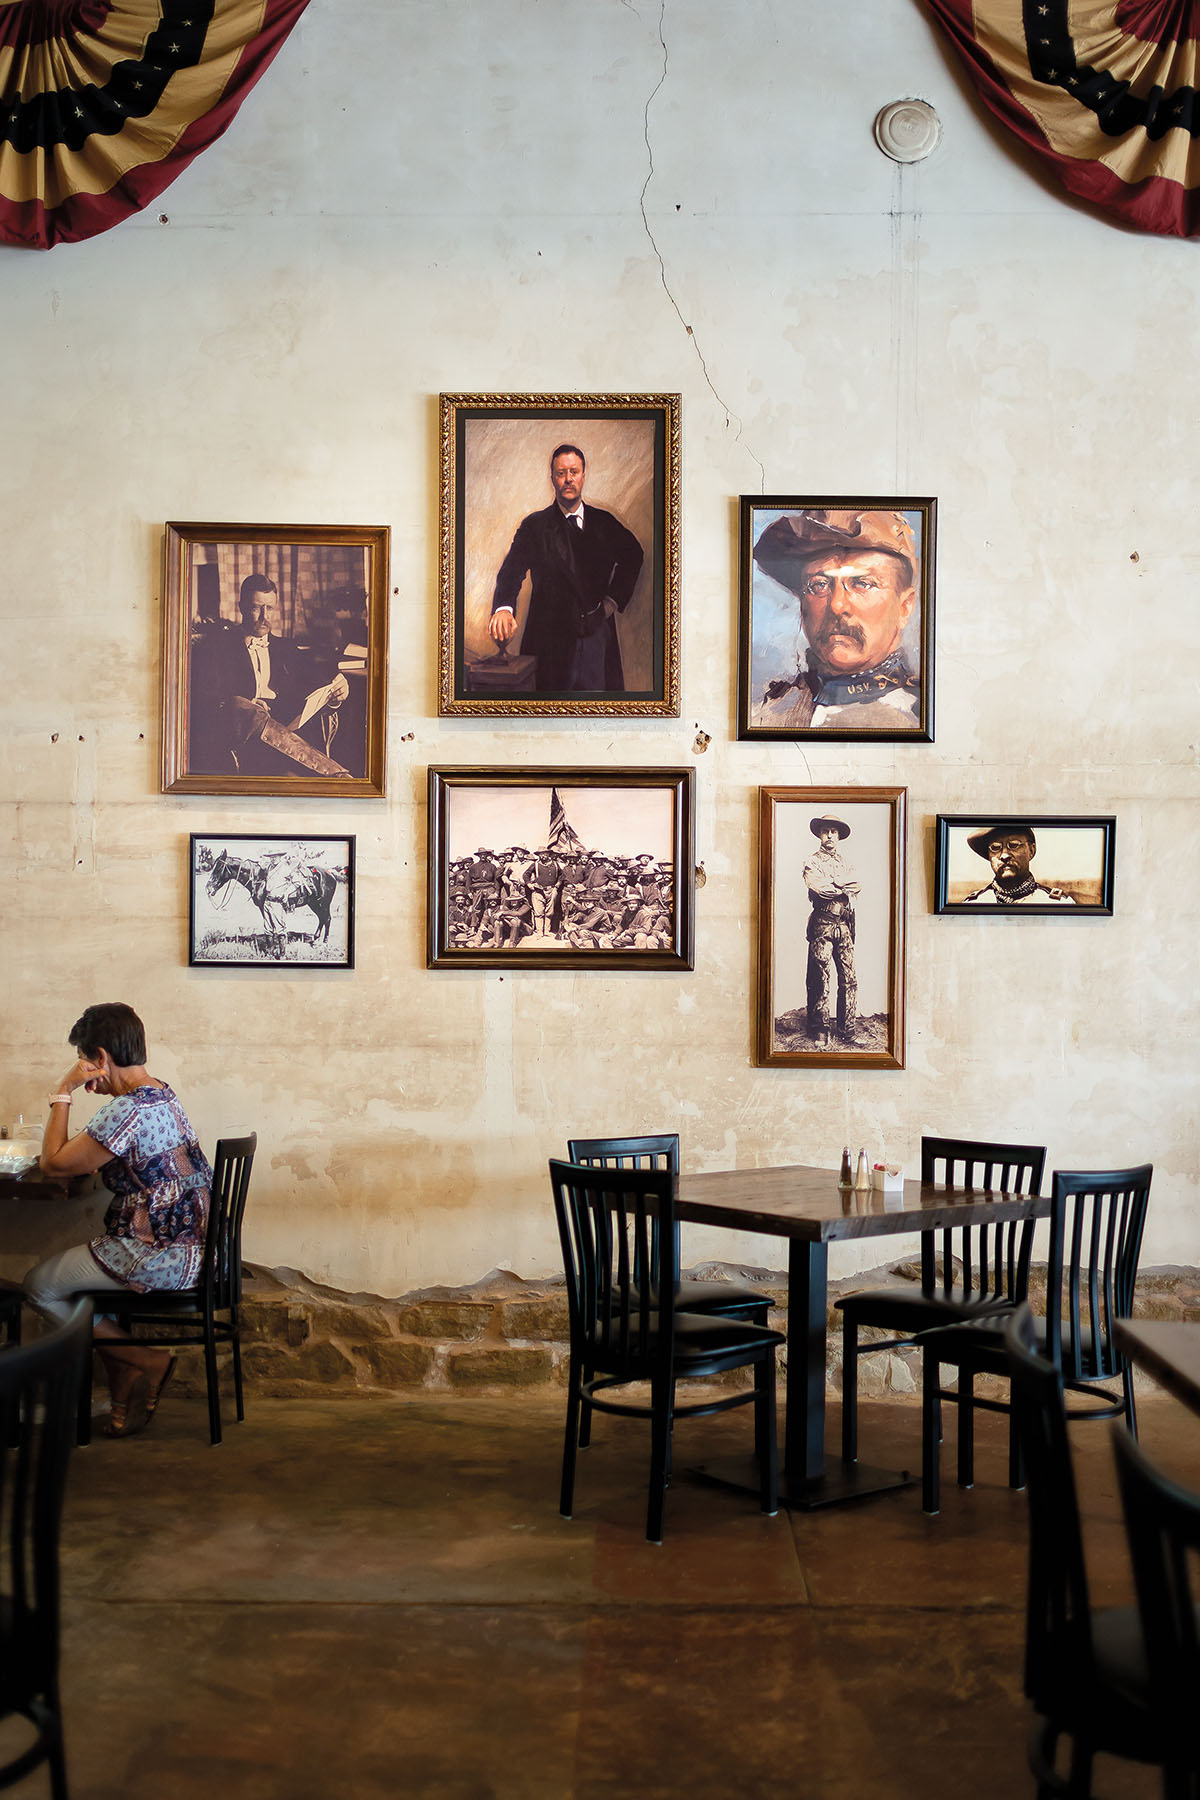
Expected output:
(611, 889)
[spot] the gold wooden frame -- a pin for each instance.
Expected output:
(182, 620)
(652, 636)
(876, 817)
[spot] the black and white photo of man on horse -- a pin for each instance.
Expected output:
(251, 895)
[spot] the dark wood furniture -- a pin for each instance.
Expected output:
(191, 1315)
(1097, 1218)
(807, 1207)
(611, 1223)
(1085, 1670)
(38, 1385)
(1162, 1523)
(966, 1272)
(1168, 1349)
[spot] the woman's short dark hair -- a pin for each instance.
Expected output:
(111, 1026)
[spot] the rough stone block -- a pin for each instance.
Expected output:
(319, 1362)
(396, 1363)
(456, 1319)
(505, 1365)
(543, 1319)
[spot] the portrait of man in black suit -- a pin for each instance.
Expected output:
(583, 565)
(559, 565)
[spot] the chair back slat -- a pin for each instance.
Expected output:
(994, 1257)
(1058, 1611)
(222, 1278)
(1097, 1221)
(39, 1385)
(1162, 1523)
(614, 1223)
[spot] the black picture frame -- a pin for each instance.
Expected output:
(247, 920)
(620, 894)
(1074, 876)
(869, 696)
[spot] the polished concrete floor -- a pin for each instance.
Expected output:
(379, 1600)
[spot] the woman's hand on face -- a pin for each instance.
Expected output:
(81, 1074)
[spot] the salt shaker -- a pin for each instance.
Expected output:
(862, 1175)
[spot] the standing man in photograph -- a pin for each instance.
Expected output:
(1010, 849)
(855, 576)
(832, 885)
(583, 565)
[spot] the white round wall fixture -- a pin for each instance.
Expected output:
(907, 130)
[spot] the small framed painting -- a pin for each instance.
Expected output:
(271, 902)
(561, 868)
(1024, 864)
(831, 928)
(559, 554)
(275, 660)
(835, 623)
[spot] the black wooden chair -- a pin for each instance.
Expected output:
(1085, 1671)
(725, 1299)
(38, 1387)
(625, 1331)
(1162, 1521)
(12, 1298)
(192, 1315)
(1096, 1225)
(966, 1273)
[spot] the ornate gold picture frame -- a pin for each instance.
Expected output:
(559, 555)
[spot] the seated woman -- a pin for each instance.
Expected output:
(150, 1160)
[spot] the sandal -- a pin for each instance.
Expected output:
(131, 1415)
(155, 1394)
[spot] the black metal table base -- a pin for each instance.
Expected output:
(840, 1482)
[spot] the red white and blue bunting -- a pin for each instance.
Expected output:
(104, 102)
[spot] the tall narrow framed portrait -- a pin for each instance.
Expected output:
(1024, 865)
(835, 624)
(275, 660)
(559, 554)
(270, 902)
(831, 928)
(555, 868)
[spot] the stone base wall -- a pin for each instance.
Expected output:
(503, 1333)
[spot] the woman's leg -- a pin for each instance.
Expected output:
(50, 1287)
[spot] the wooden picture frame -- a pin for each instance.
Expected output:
(831, 915)
(536, 623)
(275, 660)
(1024, 865)
(835, 618)
(251, 894)
(554, 868)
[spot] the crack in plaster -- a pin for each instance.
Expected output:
(740, 437)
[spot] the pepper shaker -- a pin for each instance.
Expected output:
(846, 1178)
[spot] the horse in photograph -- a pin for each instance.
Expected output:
(279, 886)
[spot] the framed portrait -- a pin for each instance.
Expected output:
(831, 928)
(559, 554)
(561, 868)
(271, 902)
(275, 660)
(1024, 864)
(835, 617)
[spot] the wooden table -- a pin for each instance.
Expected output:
(807, 1207)
(1168, 1349)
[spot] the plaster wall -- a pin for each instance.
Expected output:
(610, 197)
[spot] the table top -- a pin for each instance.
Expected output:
(33, 1185)
(808, 1204)
(1168, 1349)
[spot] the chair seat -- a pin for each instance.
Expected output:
(699, 1335)
(910, 1310)
(718, 1296)
(982, 1343)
